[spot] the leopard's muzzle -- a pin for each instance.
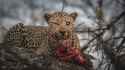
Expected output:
(65, 34)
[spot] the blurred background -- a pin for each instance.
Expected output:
(111, 28)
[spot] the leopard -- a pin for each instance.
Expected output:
(40, 38)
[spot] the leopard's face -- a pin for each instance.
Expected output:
(61, 22)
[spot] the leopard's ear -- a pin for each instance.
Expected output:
(47, 16)
(74, 15)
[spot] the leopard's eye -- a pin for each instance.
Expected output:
(55, 23)
(67, 23)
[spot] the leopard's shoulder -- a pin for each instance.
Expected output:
(35, 36)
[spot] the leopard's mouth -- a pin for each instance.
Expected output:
(63, 36)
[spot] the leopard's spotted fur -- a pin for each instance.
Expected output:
(26, 36)
(37, 36)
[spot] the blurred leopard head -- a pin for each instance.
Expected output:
(61, 23)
